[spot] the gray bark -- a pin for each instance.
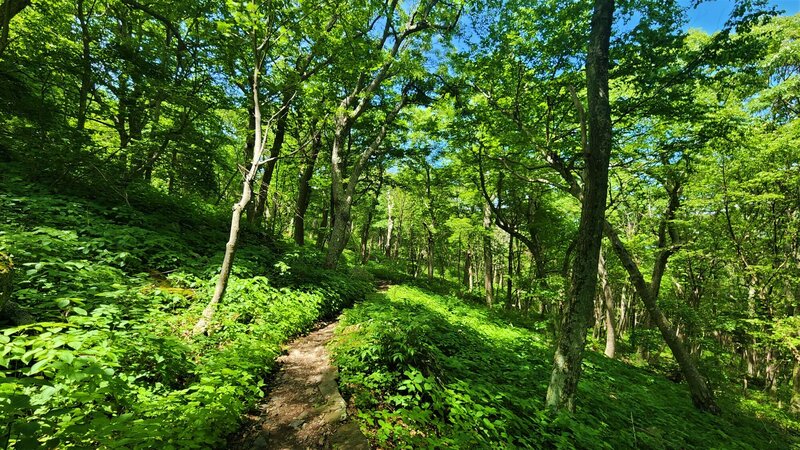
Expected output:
(247, 191)
(577, 312)
(608, 303)
(488, 286)
(702, 396)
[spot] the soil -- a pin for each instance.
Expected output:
(304, 409)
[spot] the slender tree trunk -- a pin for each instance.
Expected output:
(608, 303)
(429, 250)
(509, 284)
(304, 191)
(269, 167)
(488, 287)
(368, 222)
(250, 141)
(86, 66)
(577, 312)
(795, 402)
(468, 269)
(702, 396)
(247, 191)
(389, 223)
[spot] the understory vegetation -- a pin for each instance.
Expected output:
(109, 360)
(187, 184)
(435, 371)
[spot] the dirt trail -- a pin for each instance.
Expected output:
(304, 409)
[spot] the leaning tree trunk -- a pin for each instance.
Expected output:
(579, 305)
(702, 396)
(247, 192)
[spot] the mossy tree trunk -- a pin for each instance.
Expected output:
(577, 312)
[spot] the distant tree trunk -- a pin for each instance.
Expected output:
(509, 284)
(86, 66)
(269, 167)
(247, 191)
(304, 191)
(577, 312)
(702, 396)
(368, 222)
(771, 372)
(608, 303)
(795, 405)
(429, 250)
(487, 255)
(468, 268)
(389, 224)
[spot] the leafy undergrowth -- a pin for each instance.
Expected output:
(427, 371)
(110, 361)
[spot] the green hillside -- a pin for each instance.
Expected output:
(432, 371)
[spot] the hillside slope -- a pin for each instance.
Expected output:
(427, 371)
(114, 290)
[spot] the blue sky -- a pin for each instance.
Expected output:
(711, 15)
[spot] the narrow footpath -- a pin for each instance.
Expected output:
(304, 409)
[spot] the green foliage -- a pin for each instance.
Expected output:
(429, 371)
(109, 362)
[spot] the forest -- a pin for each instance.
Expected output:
(526, 224)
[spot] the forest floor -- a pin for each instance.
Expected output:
(424, 370)
(304, 408)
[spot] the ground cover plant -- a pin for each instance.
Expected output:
(432, 371)
(108, 361)
(185, 184)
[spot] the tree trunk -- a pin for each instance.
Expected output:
(269, 167)
(8, 10)
(10, 311)
(488, 287)
(247, 191)
(368, 223)
(468, 269)
(429, 250)
(795, 402)
(577, 312)
(86, 66)
(304, 191)
(6, 280)
(509, 284)
(702, 396)
(608, 303)
(389, 224)
(343, 192)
